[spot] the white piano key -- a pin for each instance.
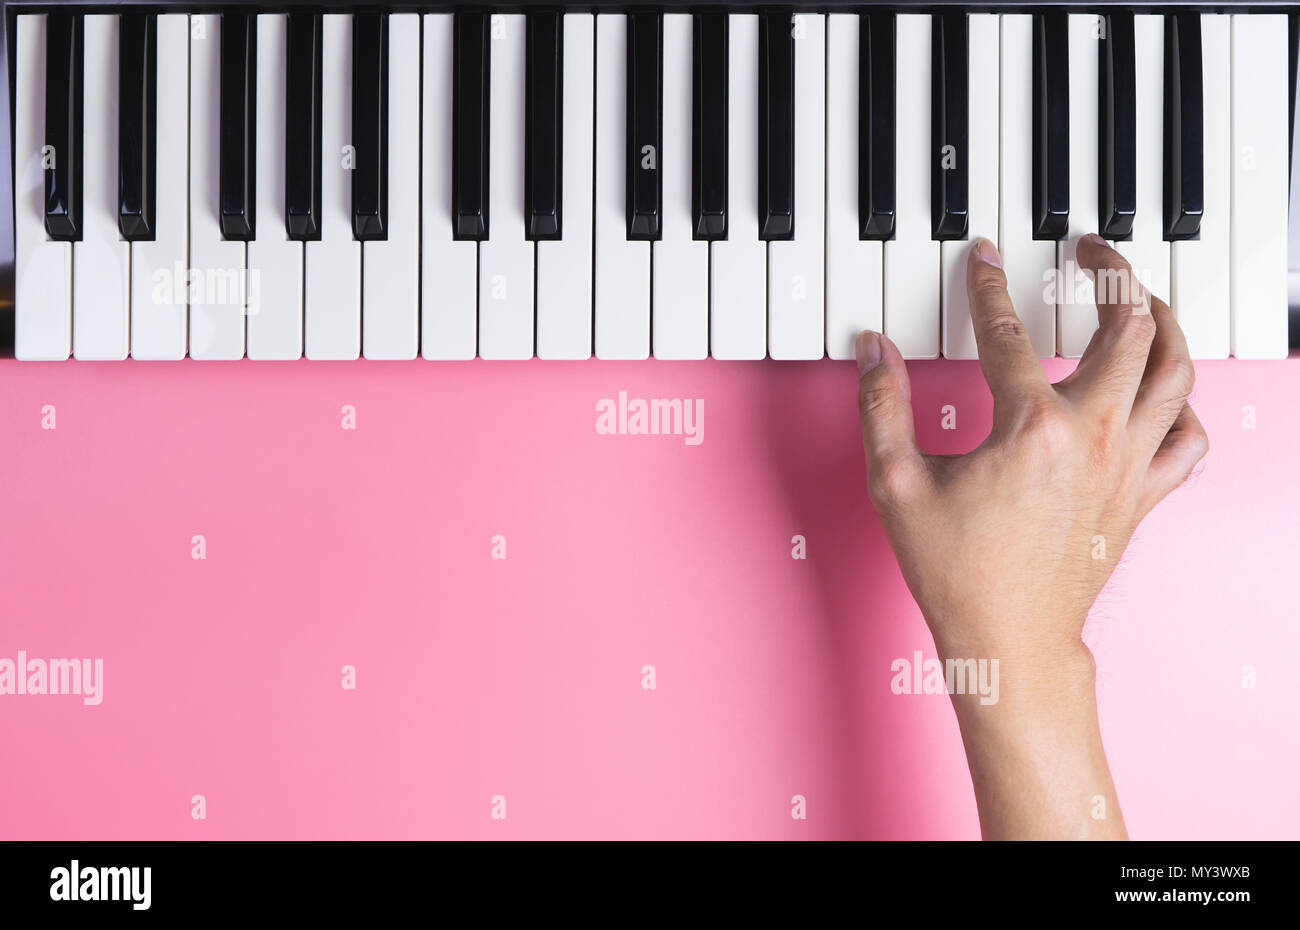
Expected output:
(1029, 263)
(680, 264)
(274, 260)
(912, 288)
(1076, 308)
(982, 167)
(505, 258)
(333, 264)
(217, 266)
(42, 267)
(1259, 178)
(564, 283)
(854, 267)
(158, 268)
(1147, 251)
(796, 268)
(1199, 289)
(449, 267)
(101, 261)
(622, 284)
(738, 264)
(390, 269)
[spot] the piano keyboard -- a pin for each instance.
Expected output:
(728, 182)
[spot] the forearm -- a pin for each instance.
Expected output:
(1036, 756)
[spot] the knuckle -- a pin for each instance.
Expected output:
(1044, 424)
(1103, 446)
(1163, 413)
(1005, 327)
(1199, 441)
(988, 289)
(875, 400)
(1177, 375)
(892, 482)
(1137, 328)
(1192, 439)
(985, 278)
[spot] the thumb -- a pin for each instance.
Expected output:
(885, 404)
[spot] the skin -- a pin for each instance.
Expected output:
(998, 546)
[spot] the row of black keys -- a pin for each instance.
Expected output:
(1183, 197)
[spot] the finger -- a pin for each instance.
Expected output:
(1184, 445)
(885, 406)
(1167, 381)
(1007, 356)
(1112, 366)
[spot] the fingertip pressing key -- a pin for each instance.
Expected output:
(986, 252)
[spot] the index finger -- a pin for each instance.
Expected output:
(1007, 355)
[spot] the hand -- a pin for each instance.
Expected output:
(1006, 549)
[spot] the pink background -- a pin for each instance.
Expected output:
(522, 677)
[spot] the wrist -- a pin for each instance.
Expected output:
(1018, 683)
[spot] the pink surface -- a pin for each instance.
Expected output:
(522, 677)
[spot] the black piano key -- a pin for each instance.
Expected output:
(775, 126)
(137, 156)
(876, 125)
(64, 64)
(709, 127)
(238, 188)
(1117, 129)
(543, 129)
(469, 130)
(302, 130)
(949, 126)
(1184, 190)
(645, 124)
(370, 126)
(1051, 101)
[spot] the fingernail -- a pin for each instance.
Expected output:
(985, 252)
(867, 349)
(1095, 240)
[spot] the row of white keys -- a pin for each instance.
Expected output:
(159, 300)
(854, 266)
(912, 289)
(1024, 258)
(564, 276)
(738, 264)
(505, 258)
(217, 268)
(449, 267)
(680, 264)
(333, 263)
(982, 185)
(1147, 250)
(390, 268)
(796, 267)
(42, 266)
(622, 278)
(1259, 186)
(274, 260)
(1199, 268)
